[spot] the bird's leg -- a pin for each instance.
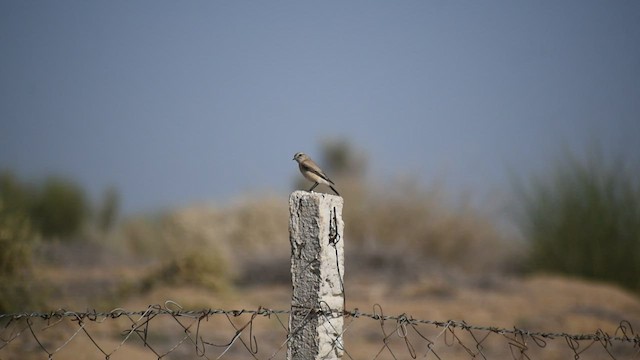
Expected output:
(334, 190)
(313, 187)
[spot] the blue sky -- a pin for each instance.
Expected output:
(178, 102)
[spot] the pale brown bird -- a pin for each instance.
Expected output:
(312, 172)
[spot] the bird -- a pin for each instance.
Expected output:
(312, 172)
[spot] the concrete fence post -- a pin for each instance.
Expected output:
(317, 270)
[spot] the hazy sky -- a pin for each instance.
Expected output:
(174, 102)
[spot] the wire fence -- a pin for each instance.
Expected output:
(170, 332)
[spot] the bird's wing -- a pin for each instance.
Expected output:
(314, 168)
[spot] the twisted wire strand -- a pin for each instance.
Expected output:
(453, 333)
(624, 332)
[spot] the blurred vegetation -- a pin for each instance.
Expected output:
(32, 213)
(16, 243)
(108, 210)
(407, 231)
(176, 251)
(196, 268)
(401, 230)
(59, 208)
(343, 160)
(56, 207)
(404, 229)
(583, 219)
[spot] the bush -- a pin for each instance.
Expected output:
(16, 244)
(205, 268)
(60, 208)
(180, 247)
(408, 230)
(107, 214)
(583, 219)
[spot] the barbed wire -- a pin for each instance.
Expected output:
(229, 334)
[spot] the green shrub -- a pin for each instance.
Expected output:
(583, 219)
(15, 241)
(60, 208)
(16, 244)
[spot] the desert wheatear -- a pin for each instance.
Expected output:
(312, 172)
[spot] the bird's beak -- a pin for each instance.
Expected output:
(293, 158)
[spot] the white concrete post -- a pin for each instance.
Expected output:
(317, 270)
